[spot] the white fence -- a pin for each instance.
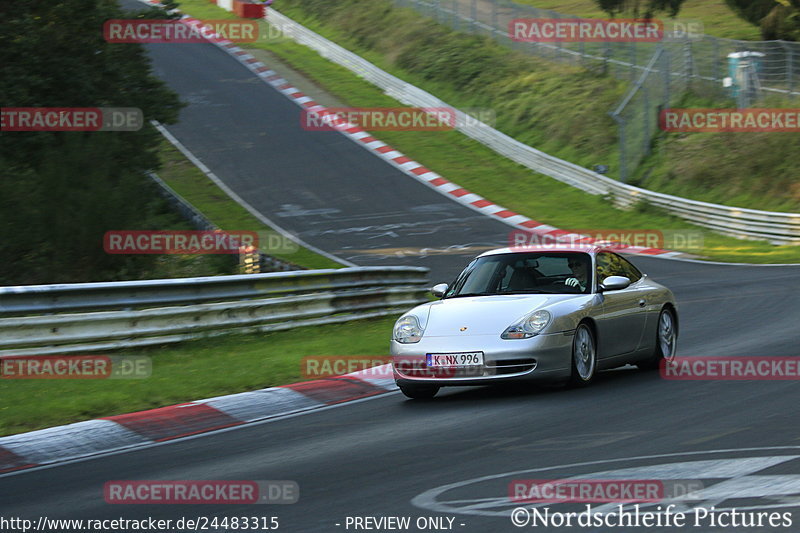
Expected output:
(778, 228)
(105, 316)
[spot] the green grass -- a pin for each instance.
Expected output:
(737, 169)
(718, 19)
(188, 181)
(188, 371)
(477, 168)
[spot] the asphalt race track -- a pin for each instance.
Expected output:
(452, 457)
(317, 184)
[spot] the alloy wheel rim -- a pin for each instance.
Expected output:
(584, 353)
(666, 336)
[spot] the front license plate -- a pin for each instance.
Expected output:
(455, 359)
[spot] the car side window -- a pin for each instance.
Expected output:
(630, 271)
(609, 264)
(604, 266)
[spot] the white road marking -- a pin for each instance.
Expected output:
(741, 473)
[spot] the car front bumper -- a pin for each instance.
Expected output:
(543, 357)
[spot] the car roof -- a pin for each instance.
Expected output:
(575, 248)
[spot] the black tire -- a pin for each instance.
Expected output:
(584, 356)
(666, 341)
(419, 392)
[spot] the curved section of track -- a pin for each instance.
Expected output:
(391, 457)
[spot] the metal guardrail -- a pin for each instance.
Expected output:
(778, 228)
(139, 313)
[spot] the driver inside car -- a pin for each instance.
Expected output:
(580, 276)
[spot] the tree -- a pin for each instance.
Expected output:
(782, 22)
(777, 19)
(60, 191)
(751, 10)
(640, 8)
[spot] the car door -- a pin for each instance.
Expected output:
(623, 315)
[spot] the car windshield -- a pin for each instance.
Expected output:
(525, 273)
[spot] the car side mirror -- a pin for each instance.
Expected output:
(439, 289)
(615, 283)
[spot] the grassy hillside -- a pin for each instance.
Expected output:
(757, 170)
(718, 19)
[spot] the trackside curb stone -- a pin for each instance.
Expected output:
(132, 430)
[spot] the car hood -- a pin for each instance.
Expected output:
(485, 315)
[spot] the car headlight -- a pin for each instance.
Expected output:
(528, 327)
(407, 330)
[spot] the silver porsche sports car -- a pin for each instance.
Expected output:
(535, 313)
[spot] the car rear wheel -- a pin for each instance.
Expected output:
(666, 341)
(584, 356)
(419, 392)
